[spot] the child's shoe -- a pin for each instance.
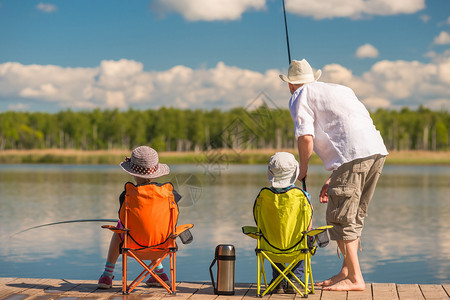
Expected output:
(105, 282)
(153, 282)
(279, 289)
(289, 289)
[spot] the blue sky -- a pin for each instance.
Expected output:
(206, 54)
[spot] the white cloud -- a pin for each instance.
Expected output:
(207, 10)
(18, 106)
(373, 103)
(425, 18)
(46, 7)
(366, 50)
(442, 39)
(327, 9)
(124, 83)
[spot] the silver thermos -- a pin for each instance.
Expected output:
(225, 258)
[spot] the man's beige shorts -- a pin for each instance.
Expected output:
(351, 188)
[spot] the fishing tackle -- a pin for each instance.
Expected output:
(65, 222)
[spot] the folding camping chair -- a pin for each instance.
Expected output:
(283, 237)
(149, 216)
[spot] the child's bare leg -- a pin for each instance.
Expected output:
(105, 280)
(113, 252)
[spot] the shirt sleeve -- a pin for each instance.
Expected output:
(301, 113)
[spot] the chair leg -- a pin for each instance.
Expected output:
(173, 271)
(124, 274)
(258, 281)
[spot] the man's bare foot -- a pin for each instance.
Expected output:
(336, 278)
(346, 285)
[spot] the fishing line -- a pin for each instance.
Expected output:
(65, 222)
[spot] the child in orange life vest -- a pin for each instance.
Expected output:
(144, 166)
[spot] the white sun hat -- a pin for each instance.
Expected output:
(282, 170)
(144, 163)
(300, 72)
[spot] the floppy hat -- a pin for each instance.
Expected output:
(300, 72)
(283, 170)
(144, 163)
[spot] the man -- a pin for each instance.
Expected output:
(330, 120)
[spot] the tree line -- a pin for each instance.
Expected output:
(173, 129)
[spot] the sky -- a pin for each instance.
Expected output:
(206, 54)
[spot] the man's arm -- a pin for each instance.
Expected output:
(305, 149)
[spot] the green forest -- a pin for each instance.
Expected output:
(172, 129)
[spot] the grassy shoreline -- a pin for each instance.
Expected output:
(215, 156)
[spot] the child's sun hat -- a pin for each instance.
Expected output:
(283, 170)
(144, 163)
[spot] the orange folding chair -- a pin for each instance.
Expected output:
(149, 217)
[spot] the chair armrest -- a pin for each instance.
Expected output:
(318, 230)
(183, 232)
(319, 235)
(115, 229)
(251, 231)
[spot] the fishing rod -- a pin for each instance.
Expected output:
(289, 57)
(65, 222)
(287, 35)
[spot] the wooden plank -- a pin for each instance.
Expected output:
(334, 295)
(52, 289)
(37, 289)
(240, 290)
(185, 290)
(384, 291)
(251, 293)
(19, 285)
(282, 296)
(361, 295)
(433, 291)
(316, 296)
(82, 287)
(206, 291)
(46, 289)
(4, 280)
(409, 291)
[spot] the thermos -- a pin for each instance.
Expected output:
(225, 258)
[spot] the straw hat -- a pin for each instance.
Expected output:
(144, 163)
(283, 170)
(300, 72)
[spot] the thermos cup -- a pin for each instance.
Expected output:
(225, 258)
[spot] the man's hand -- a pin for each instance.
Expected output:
(323, 197)
(301, 176)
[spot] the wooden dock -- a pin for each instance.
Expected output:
(46, 289)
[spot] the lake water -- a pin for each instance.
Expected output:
(406, 238)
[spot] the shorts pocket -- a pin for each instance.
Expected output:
(343, 204)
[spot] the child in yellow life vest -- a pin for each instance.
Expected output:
(144, 166)
(283, 170)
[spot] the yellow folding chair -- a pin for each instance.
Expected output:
(149, 216)
(283, 236)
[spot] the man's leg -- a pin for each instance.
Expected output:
(339, 276)
(350, 277)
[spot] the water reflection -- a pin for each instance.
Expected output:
(406, 239)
